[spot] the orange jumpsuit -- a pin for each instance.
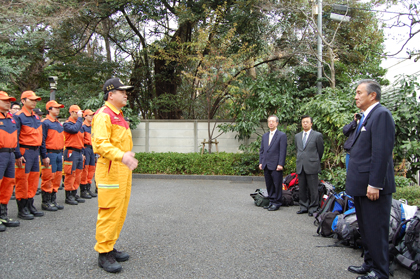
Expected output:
(30, 139)
(8, 143)
(111, 138)
(73, 155)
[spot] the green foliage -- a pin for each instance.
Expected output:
(409, 193)
(336, 177)
(330, 112)
(195, 163)
(401, 100)
(401, 181)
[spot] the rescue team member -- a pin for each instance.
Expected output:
(89, 166)
(27, 156)
(73, 154)
(52, 148)
(8, 143)
(111, 139)
(15, 107)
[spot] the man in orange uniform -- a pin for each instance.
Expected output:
(73, 155)
(8, 143)
(27, 156)
(112, 140)
(89, 167)
(52, 148)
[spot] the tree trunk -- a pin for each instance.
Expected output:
(167, 73)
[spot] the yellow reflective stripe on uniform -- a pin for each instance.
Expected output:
(109, 186)
(68, 163)
(43, 167)
(22, 167)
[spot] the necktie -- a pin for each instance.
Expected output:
(304, 139)
(270, 138)
(360, 123)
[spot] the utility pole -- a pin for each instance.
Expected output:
(319, 46)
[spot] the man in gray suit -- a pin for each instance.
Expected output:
(310, 148)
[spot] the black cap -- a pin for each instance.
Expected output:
(38, 111)
(116, 83)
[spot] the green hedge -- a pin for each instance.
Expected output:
(246, 164)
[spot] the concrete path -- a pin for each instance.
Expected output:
(179, 228)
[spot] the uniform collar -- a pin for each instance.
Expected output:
(27, 112)
(86, 123)
(71, 119)
(49, 117)
(8, 115)
(114, 109)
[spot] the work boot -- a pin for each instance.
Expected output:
(6, 220)
(2, 227)
(70, 199)
(54, 201)
(33, 209)
(46, 202)
(87, 187)
(83, 193)
(108, 262)
(23, 210)
(76, 197)
(120, 256)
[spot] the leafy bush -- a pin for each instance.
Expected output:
(336, 177)
(409, 193)
(401, 181)
(195, 163)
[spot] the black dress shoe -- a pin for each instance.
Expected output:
(273, 208)
(358, 269)
(267, 206)
(370, 275)
(302, 211)
(310, 214)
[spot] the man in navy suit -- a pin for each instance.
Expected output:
(370, 179)
(272, 159)
(309, 150)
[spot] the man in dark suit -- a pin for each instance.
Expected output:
(310, 148)
(370, 179)
(272, 159)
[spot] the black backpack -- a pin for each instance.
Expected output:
(287, 198)
(406, 250)
(346, 229)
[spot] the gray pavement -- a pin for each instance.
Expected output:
(179, 228)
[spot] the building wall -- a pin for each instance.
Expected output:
(183, 136)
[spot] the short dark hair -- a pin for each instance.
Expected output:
(275, 116)
(306, 116)
(372, 86)
(106, 95)
(14, 104)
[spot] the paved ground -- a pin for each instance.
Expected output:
(178, 228)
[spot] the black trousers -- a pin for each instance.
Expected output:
(308, 192)
(373, 219)
(274, 184)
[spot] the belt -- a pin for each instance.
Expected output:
(88, 146)
(54, 150)
(30, 147)
(74, 149)
(9, 150)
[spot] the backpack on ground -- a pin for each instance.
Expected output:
(346, 228)
(295, 192)
(396, 218)
(290, 180)
(287, 198)
(260, 197)
(406, 250)
(334, 205)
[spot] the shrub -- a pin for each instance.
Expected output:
(409, 193)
